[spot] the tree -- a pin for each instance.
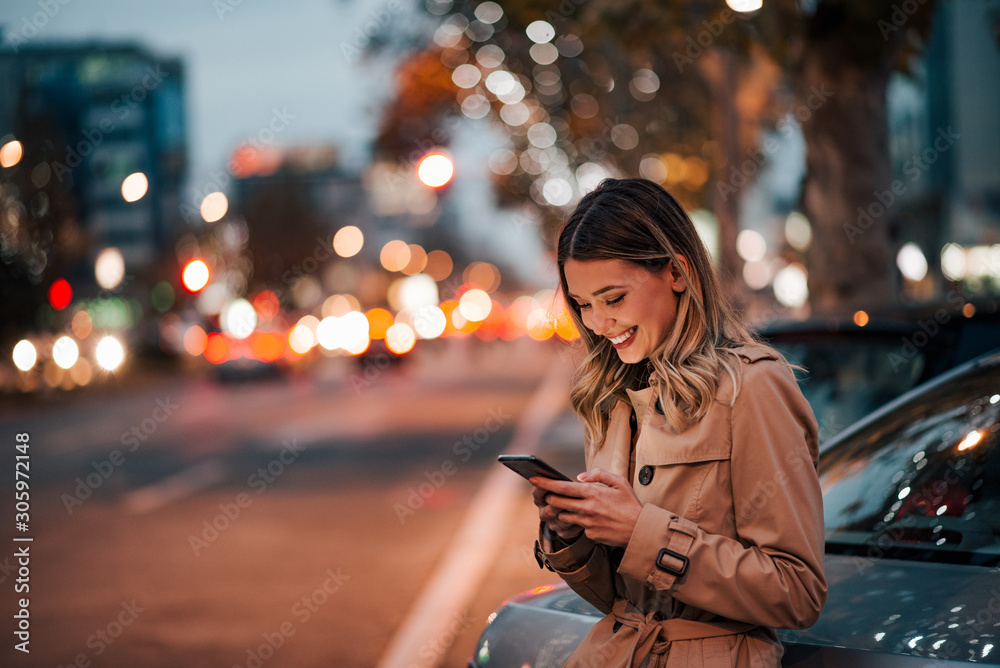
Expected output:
(695, 81)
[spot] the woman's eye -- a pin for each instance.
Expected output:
(582, 306)
(616, 301)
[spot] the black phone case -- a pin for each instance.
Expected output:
(529, 466)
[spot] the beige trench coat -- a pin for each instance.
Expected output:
(729, 543)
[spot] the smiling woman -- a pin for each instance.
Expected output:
(687, 417)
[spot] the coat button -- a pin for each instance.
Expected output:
(645, 475)
(658, 406)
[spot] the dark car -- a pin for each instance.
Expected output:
(912, 509)
(853, 369)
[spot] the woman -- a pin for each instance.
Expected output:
(698, 525)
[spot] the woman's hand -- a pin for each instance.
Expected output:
(548, 514)
(603, 503)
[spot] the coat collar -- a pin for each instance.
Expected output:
(646, 397)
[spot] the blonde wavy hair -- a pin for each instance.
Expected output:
(638, 221)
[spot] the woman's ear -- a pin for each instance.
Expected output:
(678, 271)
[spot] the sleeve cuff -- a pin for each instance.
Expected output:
(569, 558)
(657, 552)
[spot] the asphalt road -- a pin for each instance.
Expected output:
(179, 521)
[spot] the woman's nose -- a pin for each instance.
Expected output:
(599, 324)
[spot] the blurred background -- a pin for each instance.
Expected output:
(277, 280)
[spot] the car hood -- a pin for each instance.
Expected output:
(934, 610)
(940, 611)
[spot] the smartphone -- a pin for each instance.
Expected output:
(529, 466)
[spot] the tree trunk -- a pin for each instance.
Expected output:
(847, 194)
(719, 68)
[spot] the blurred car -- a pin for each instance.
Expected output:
(912, 510)
(852, 369)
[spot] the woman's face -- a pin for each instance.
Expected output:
(631, 306)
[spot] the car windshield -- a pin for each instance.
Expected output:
(846, 382)
(922, 482)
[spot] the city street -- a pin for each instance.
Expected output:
(294, 521)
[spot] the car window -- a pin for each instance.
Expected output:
(849, 377)
(923, 482)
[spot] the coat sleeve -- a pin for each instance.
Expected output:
(773, 573)
(585, 566)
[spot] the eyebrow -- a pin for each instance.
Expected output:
(601, 291)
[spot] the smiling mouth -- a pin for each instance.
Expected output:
(624, 336)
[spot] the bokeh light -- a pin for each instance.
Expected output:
(134, 187)
(418, 260)
(475, 305)
(11, 153)
(214, 206)
(439, 265)
(429, 322)
(109, 268)
(65, 352)
(266, 304)
(400, 338)
(435, 170)
(911, 262)
(379, 322)
(195, 340)
(395, 255)
(301, 339)
(109, 353)
(751, 245)
(25, 355)
(81, 324)
(791, 285)
(216, 348)
(483, 274)
(60, 294)
(744, 6)
(195, 275)
(348, 241)
(798, 231)
(238, 318)
(540, 32)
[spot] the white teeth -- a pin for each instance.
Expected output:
(623, 337)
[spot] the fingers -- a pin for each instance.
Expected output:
(599, 475)
(561, 487)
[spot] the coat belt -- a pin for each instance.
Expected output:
(655, 635)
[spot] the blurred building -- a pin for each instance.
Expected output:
(944, 138)
(88, 116)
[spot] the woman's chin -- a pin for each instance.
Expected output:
(631, 355)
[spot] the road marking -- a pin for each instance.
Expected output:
(422, 639)
(185, 483)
